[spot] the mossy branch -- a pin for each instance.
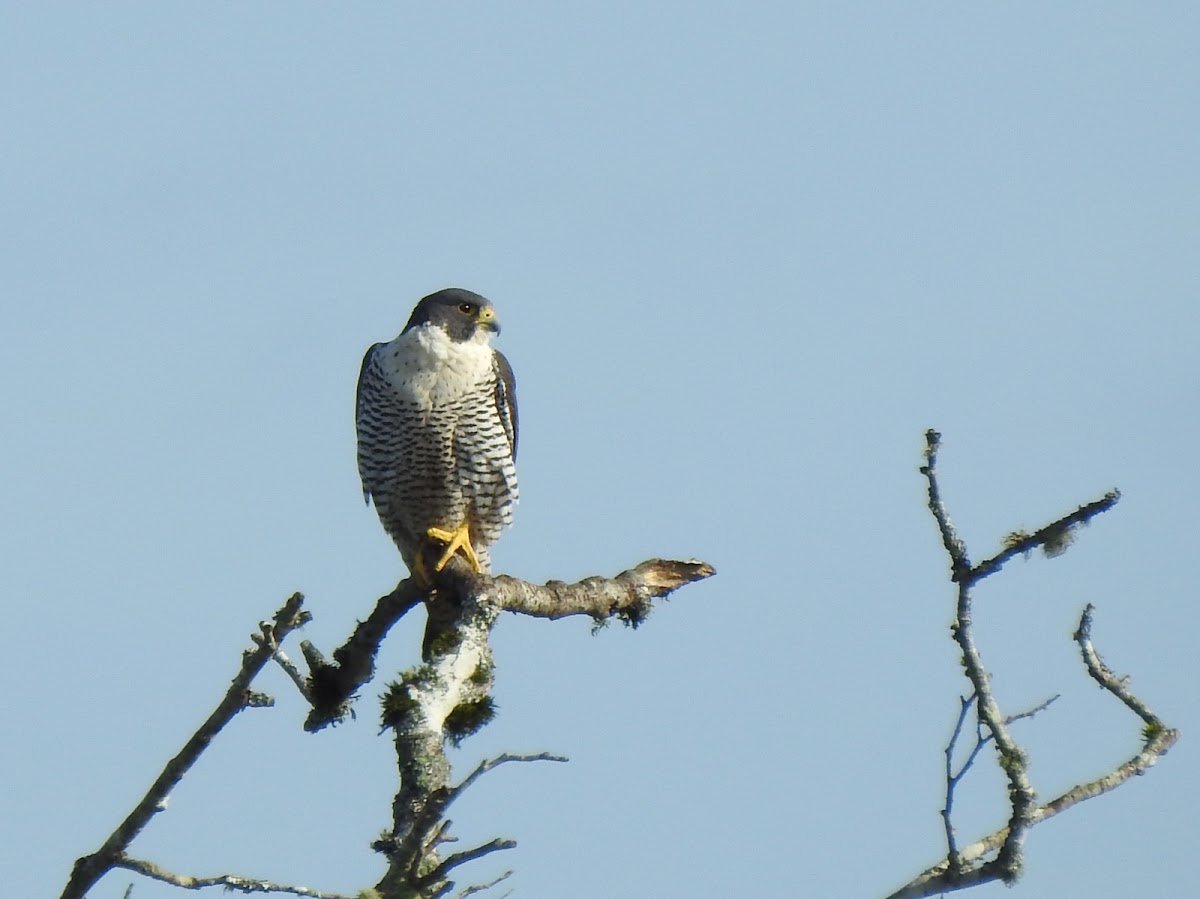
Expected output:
(448, 698)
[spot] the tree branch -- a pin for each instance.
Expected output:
(90, 868)
(1053, 538)
(459, 858)
(1158, 739)
(627, 596)
(289, 668)
(967, 867)
(490, 764)
(954, 861)
(482, 887)
(334, 684)
(1105, 678)
(952, 779)
(1007, 864)
(445, 699)
(448, 698)
(231, 882)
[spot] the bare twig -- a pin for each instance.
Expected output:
(460, 858)
(231, 882)
(290, 669)
(489, 764)
(90, 868)
(952, 779)
(481, 887)
(1029, 713)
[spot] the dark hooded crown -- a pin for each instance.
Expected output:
(460, 312)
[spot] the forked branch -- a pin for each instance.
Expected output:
(627, 596)
(999, 856)
(89, 869)
(443, 700)
(448, 698)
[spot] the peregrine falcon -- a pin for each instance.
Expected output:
(437, 432)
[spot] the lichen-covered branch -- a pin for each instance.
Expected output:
(1007, 865)
(231, 882)
(954, 778)
(999, 856)
(90, 868)
(441, 701)
(1157, 740)
(960, 563)
(1012, 760)
(1117, 686)
(1053, 539)
(627, 596)
(289, 668)
(448, 698)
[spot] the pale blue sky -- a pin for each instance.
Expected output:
(744, 256)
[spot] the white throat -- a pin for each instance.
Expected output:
(428, 366)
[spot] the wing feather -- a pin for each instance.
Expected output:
(506, 398)
(361, 398)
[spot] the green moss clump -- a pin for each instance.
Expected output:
(468, 717)
(398, 701)
(482, 675)
(398, 705)
(443, 644)
(635, 614)
(1057, 542)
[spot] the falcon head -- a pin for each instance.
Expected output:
(460, 313)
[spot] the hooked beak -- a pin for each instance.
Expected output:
(488, 320)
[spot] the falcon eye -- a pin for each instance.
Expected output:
(467, 308)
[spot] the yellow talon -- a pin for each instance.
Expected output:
(455, 540)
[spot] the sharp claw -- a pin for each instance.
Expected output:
(455, 540)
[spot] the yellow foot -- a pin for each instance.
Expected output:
(455, 540)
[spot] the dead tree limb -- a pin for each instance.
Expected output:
(90, 868)
(1000, 855)
(627, 596)
(444, 700)
(448, 698)
(231, 882)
